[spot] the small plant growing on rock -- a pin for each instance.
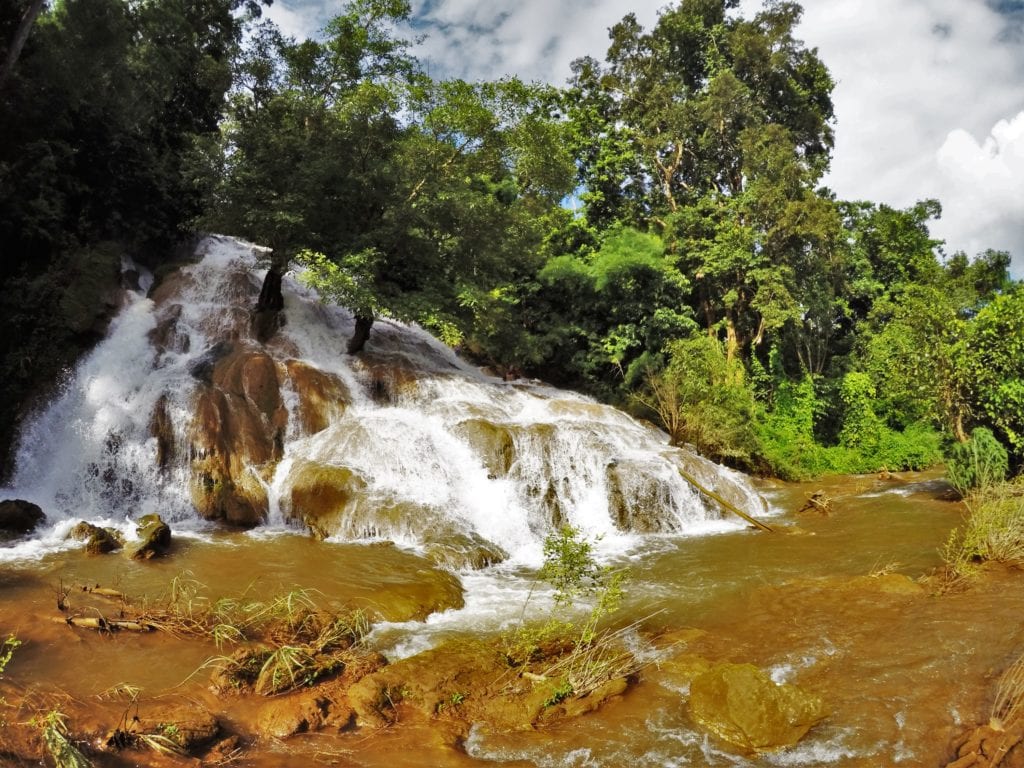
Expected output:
(584, 657)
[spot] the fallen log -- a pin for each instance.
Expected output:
(102, 624)
(727, 505)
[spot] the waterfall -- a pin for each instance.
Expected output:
(182, 412)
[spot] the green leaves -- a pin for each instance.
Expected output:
(993, 366)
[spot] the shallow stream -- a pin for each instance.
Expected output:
(901, 672)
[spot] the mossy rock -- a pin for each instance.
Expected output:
(743, 706)
(98, 541)
(321, 494)
(154, 538)
(91, 289)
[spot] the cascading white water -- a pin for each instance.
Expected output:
(450, 451)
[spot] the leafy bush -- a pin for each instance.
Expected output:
(979, 463)
(703, 398)
(790, 449)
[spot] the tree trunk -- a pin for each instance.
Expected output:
(271, 297)
(267, 319)
(360, 335)
(20, 38)
(732, 342)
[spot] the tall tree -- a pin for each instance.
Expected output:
(431, 195)
(713, 129)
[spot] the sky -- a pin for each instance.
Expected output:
(929, 95)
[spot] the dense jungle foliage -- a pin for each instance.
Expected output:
(653, 233)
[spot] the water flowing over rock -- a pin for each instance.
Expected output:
(741, 704)
(191, 410)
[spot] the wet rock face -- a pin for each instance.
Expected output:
(637, 497)
(322, 494)
(18, 517)
(98, 541)
(236, 436)
(322, 396)
(455, 550)
(493, 442)
(740, 704)
(154, 539)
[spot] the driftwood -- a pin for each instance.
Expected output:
(104, 592)
(817, 502)
(101, 624)
(727, 505)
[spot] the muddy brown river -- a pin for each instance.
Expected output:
(820, 604)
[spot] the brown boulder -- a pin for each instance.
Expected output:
(323, 397)
(741, 705)
(154, 539)
(321, 494)
(236, 435)
(18, 517)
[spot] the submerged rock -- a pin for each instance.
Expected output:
(18, 517)
(154, 538)
(459, 551)
(286, 716)
(186, 725)
(740, 704)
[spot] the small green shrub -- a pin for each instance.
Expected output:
(993, 530)
(584, 658)
(58, 744)
(7, 649)
(979, 463)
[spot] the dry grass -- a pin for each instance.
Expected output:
(1008, 707)
(590, 665)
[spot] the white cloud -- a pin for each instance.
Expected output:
(534, 39)
(917, 80)
(302, 19)
(982, 187)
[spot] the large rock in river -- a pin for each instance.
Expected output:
(741, 704)
(237, 434)
(18, 517)
(154, 539)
